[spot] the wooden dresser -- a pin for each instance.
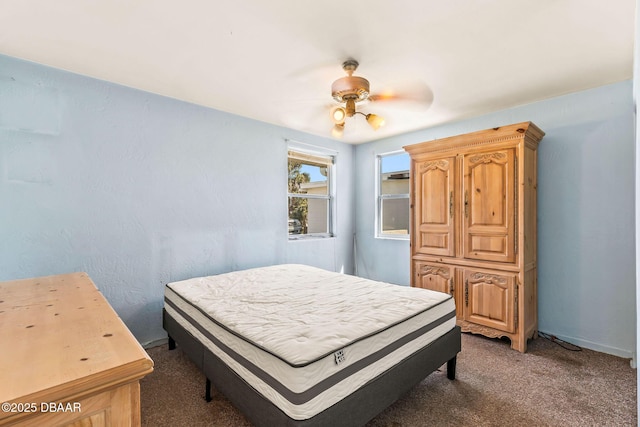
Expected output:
(67, 359)
(473, 227)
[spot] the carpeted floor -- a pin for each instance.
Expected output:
(495, 386)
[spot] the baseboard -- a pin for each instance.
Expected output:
(614, 351)
(155, 343)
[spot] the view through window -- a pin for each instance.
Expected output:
(310, 194)
(393, 195)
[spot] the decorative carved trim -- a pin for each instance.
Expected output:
(443, 145)
(488, 278)
(526, 133)
(436, 164)
(483, 330)
(432, 269)
(488, 158)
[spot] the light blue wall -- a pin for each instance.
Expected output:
(636, 96)
(586, 248)
(139, 190)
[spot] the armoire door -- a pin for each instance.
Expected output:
(435, 195)
(490, 299)
(433, 276)
(488, 191)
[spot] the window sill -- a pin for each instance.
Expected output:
(301, 237)
(392, 237)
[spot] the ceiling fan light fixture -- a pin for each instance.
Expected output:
(338, 115)
(338, 130)
(350, 107)
(349, 91)
(375, 121)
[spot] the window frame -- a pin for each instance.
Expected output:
(380, 198)
(311, 152)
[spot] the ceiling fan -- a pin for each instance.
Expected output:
(350, 90)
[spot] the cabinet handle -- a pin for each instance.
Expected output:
(466, 204)
(451, 286)
(451, 204)
(466, 293)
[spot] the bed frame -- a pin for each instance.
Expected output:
(354, 410)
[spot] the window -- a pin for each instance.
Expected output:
(310, 194)
(392, 216)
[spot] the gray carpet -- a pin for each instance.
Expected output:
(495, 386)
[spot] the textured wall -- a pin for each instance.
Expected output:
(138, 190)
(585, 213)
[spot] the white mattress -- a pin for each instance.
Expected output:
(303, 337)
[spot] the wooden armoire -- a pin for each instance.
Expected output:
(473, 227)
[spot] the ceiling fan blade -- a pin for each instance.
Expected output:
(317, 72)
(417, 96)
(307, 115)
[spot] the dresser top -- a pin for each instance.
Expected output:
(60, 337)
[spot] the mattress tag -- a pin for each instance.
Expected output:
(339, 355)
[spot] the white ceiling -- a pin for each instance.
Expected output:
(275, 60)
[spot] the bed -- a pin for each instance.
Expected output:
(294, 345)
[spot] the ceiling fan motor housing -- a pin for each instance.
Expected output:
(350, 88)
